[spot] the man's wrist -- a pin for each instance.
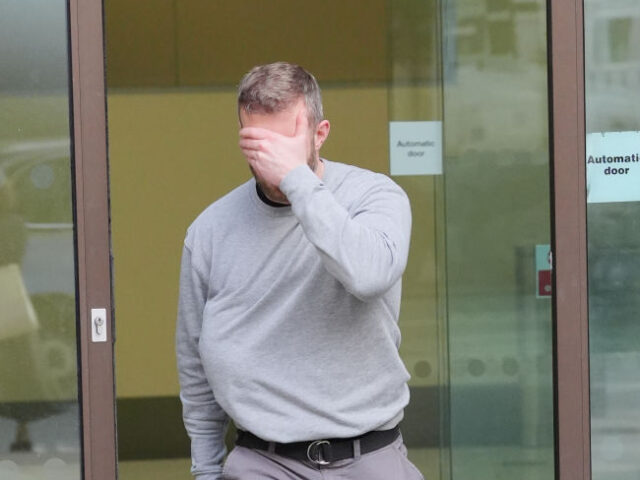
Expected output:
(299, 182)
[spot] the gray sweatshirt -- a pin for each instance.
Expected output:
(287, 317)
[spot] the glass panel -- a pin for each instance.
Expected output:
(39, 410)
(497, 222)
(612, 67)
(396, 77)
(415, 99)
(471, 318)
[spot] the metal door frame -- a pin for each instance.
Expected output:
(570, 304)
(92, 236)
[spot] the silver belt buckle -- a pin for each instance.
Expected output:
(316, 452)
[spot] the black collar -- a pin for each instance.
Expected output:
(267, 200)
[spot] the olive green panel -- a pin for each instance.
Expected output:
(415, 103)
(419, 320)
(141, 43)
(170, 43)
(171, 154)
(359, 132)
(219, 41)
(174, 153)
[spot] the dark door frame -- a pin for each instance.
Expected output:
(570, 304)
(92, 236)
(567, 129)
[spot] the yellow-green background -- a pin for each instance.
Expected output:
(172, 69)
(171, 154)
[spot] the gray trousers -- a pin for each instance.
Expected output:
(387, 463)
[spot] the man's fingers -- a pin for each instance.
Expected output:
(251, 154)
(255, 133)
(251, 144)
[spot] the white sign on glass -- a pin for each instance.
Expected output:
(613, 167)
(415, 148)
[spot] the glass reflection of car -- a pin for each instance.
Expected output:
(38, 369)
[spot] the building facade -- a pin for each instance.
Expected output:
(521, 292)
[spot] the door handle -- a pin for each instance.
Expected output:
(98, 324)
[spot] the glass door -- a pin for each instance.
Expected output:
(476, 314)
(40, 423)
(497, 224)
(48, 258)
(612, 81)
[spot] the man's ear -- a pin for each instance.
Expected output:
(321, 133)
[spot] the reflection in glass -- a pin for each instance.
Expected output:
(39, 416)
(612, 76)
(415, 95)
(496, 185)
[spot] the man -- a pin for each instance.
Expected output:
(289, 301)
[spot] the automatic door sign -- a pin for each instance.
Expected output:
(613, 167)
(544, 265)
(415, 148)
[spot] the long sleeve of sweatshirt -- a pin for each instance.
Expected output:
(204, 420)
(366, 248)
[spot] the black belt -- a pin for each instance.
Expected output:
(321, 452)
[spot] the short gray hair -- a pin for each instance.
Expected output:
(274, 87)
